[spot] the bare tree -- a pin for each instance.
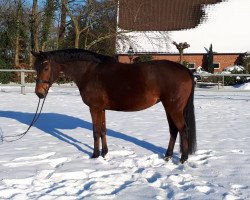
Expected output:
(93, 22)
(75, 21)
(181, 47)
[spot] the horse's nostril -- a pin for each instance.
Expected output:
(40, 95)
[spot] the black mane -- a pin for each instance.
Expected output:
(67, 55)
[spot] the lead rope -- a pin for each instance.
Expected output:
(19, 136)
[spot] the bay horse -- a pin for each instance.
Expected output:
(106, 84)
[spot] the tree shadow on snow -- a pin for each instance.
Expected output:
(51, 123)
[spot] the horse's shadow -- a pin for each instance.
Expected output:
(54, 122)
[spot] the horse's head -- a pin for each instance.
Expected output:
(45, 73)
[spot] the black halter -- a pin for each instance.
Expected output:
(39, 81)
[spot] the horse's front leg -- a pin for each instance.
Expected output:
(96, 116)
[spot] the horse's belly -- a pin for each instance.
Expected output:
(133, 104)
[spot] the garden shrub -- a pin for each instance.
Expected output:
(233, 80)
(246, 63)
(142, 58)
(5, 77)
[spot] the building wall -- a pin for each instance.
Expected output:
(224, 59)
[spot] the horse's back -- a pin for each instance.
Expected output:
(167, 76)
(170, 73)
(169, 68)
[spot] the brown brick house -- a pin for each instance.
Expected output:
(148, 16)
(221, 60)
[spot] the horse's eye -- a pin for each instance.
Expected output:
(46, 68)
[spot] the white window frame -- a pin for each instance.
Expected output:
(191, 64)
(216, 63)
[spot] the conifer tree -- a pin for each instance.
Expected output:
(210, 60)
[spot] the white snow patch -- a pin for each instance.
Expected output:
(53, 160)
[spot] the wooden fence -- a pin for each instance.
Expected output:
(220, 79)
(22, 71)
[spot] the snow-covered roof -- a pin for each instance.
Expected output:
(226, 28)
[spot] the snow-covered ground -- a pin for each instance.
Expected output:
(52, 160)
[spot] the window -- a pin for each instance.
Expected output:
(191, 65)
(216, 65)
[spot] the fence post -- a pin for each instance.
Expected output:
(22, 82)
(223, 81)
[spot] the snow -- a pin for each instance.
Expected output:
(234, 68)
(225, 28)
(245, 86)
(144, 42)
(53, 160)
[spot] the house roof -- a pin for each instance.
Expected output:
(161, 15)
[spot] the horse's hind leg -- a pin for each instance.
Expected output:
(179, 121)
(103, 135)
(173, 134)
(177, 124)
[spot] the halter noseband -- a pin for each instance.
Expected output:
(39, 81)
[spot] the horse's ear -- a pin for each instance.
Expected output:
(35, 54)
(39, 54)
(43, 55)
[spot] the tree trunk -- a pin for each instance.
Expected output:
(77, 38)
(17, 39)
(34, 44)
(34, 28)
(43, 46)
(76, 30)
(49, 13)
(17, 51)
(62, 27)
(181, 57)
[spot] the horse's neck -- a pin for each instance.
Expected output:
(78, 70)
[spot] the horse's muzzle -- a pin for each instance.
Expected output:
(40, 95)
(41, 92)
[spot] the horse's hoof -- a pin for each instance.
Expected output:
(167, 158)
(96, 154)
(104, 152)
(182, 160)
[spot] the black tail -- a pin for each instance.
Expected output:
(190, 123)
